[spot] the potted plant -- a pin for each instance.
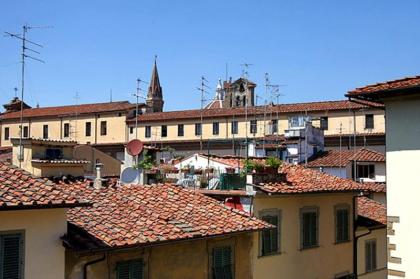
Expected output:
(248, 166)
(272, 164)
(258, 167)
(146, 163)
(230, 170)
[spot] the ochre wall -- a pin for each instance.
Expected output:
(44, 252)
(116, 128)
(325, 261)
(381, 251)
(186, 260)
(336, 119)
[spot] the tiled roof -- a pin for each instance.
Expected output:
(385, 87)
(67, 142)
(133, 215)
(229, 160)
(331, 158)
(258, 110)
(368, 155)
(337, 158)
(60, 161)
(70, 110)
(301, 180)
(20, 190)
(371, 209)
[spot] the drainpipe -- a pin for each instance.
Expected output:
(356, 238)
(85, 266)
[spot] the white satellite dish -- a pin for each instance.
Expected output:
(130, 175)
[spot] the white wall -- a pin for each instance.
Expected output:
(201, 162)
(403, 182)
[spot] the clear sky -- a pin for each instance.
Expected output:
(317, 49)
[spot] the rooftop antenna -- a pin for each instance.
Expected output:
(76, 101)
(138, 95)
(24, 55)
(203, 89)
(110, 95)
(16, 90)
(245, 76)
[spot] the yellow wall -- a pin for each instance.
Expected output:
(116, 128)
(44, 252)
(381, 243)
(325, 261)
(336, 119)
(186, 260)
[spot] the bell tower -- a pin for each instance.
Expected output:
(154, 99)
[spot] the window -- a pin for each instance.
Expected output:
(45, 131)
(274, 126)
(103, 128)
(269, 242)
(53, 153)
(215, 128)
(88, 129)
(365, 171)
(131, 129)
(298, 121)
(253, 126)
(66, 130)
(197, 129)
(6, 133)
(370, 256)
(309, 227)
(147, 131)
(164, 131)
(324, 123)
(234, 127)
(25, 131)
(342, 223)
(133, 269)
(223, 263)
(369, 122)
(11, 255)
(180, 130)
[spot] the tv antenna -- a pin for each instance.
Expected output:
(25, 42)
(203, 89)
(138, 95)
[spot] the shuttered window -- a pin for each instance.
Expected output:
(198, 129)
(6, 133)
(342, 220)
(234, 127)
(270, 238)
(103, 128)
(147, 131)
(133, 269)
(66, 130)
(11, 256)
(253, 126)
(45, 131)
(222, 263)
(309, 227)
(370, 255)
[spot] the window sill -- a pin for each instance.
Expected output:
(309, 248)
(342, 242)
(269, 255)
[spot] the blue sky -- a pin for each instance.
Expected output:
(317, 49)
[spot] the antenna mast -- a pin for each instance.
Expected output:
(245, 75)
(138, 95)
(24, 55)
(202, 89)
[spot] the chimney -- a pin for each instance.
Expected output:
(98, 180)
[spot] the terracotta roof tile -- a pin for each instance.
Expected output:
(371, 209)
(70, 110)
(337, 158)
(146, 214)
(301, 180)
(258, 110)
(397, 84)
(20, 189)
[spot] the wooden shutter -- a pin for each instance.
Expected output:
(342, 221)
(309, 229)
(136, 269)
(130, 269)
(11, 256)
(370, 255)
(222, 263)
(269, 239)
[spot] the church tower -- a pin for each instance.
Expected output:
(154, 99)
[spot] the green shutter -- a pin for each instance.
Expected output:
(269, 237)
(342, 222)
(309, 229)
(222, 263)
(130, 269)
(11, 256)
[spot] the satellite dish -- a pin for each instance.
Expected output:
(129, 175)
(134, 147)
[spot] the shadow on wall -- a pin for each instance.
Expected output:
(111, 166)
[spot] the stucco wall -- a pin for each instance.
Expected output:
(381, 251)
(116, 128)
(323, 262)
(44, 252)
(403, 180)
(186, 260)
(336, 119)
